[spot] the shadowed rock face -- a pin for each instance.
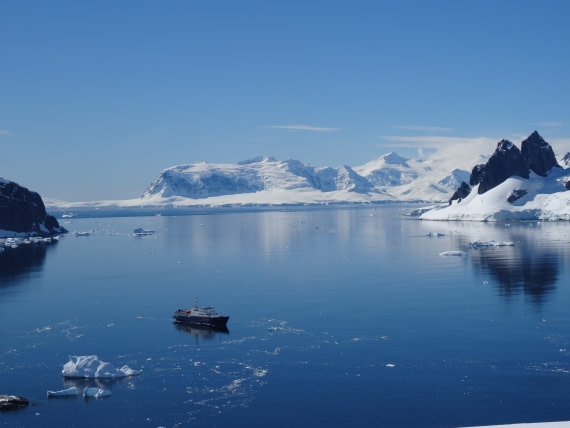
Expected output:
(539, 154)
(505, 162)
(536, 156)
(461, 192)
(23, 211)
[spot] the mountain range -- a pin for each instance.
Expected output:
(266, 181)
(388, 178)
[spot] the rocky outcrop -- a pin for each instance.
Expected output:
(536, 155)
(23, 211)
(539, 154)
(12, 402)
(463, 191)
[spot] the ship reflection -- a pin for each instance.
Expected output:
(204, 332)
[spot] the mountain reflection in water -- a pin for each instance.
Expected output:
(17, 263)
(519, 269)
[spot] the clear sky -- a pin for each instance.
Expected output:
(98, 97)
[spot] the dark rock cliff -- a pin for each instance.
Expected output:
(23, 211)
(504, 163)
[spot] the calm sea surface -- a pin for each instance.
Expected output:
(338, 317)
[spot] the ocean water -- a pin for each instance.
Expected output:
(338, 317)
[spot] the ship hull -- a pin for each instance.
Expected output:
(219, 321)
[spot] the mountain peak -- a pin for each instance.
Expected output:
(539, 154)
(394, 158)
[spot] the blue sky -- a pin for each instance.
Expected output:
(97, 97)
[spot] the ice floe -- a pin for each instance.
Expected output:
(90, 367)
(455, 253)
(96, 393)
(64, 392)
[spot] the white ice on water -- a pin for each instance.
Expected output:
(64, 392)
(90, 367)
(456, 253)
(96, 393)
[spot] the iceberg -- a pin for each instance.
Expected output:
(64, 392)
(90, 367)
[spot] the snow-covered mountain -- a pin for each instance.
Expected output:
(527, 184)
(390, 177)
(204, 180)
(411, 179)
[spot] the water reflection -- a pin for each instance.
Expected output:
(520, 270)
(17, 263)
(82, 383)
(530, 267)
(201, 331)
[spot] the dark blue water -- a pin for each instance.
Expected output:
(338, 317)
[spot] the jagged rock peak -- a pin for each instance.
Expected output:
(535, 155)
(504, 146)
(566, 159)
(505, 162)
(539, 154)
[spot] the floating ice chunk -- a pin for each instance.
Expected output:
(89, 366)
(485, 244)
(390, 365)
(139, 231)
(96, 393)
(453, 253)
(64, 392)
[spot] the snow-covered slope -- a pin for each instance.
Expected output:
(535, 198)
(413, 180)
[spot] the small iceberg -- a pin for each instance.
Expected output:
(453, 253)
(90, 367)
(139, 231)
(96, 393)
(64, 392)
